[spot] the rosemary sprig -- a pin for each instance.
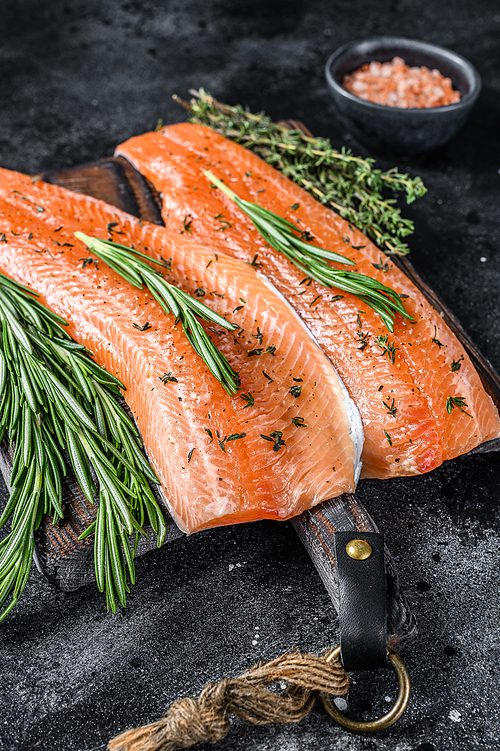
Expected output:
(131, 265)
(349, 184)
(55, 399)
(313, 261)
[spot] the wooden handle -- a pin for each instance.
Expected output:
(316, 528)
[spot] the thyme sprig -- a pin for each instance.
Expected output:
(312, 260)
(58, 405)
(134, 266)
(349, 184)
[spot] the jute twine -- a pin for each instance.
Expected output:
(206, 718)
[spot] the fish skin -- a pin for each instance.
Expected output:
(421, 434)
(244, 479)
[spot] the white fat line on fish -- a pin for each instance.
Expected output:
(355, 423)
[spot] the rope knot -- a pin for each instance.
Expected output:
(191, 721)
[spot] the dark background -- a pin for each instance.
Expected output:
(76, 78)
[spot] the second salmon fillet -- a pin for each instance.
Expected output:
(410, 386)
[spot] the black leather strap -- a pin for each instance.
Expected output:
(363, 611)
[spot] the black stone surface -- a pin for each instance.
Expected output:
(78, 77)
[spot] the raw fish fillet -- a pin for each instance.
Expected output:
(402, 385)
(206, 447)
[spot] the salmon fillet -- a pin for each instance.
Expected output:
(206, 447)
(402, 383)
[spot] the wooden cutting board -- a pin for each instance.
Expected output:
(68, 562)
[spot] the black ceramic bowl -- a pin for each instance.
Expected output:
(392, 130)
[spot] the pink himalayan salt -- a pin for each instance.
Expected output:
(397, 85)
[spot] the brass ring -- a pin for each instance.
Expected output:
(371, 726)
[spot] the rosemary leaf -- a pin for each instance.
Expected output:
(131, 264)
(56, 399)
(282, 235)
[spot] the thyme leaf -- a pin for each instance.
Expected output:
(457, 402)
(349, 184)
(388, 347)
(168, 378)
(248, 398)
(276, 438)
(456, 364)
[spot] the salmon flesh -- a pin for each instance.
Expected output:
(404, 384)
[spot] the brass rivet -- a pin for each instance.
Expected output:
(358, 549)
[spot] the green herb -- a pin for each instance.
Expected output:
(390, 407)
(89, 261)
(284, 237)
(38, 208)
(271, 350)
(435, 340)
(146, 326)
(388, 347)
(254, 262)
(349, 184)
(58, 405)
(276, 438)
(235, 437)
(224, 225)
(389, 439)
(334, 298)
(457, 402)
(259, 335)
(298, 380)
(3, 239)
(271, 380)
(299, 422)
(382, 266)
(363, 340)
(209, 433)
(187, 223)
(168, 378)
(190, 455)
(295, 206)
(296, 391)
(248, 398)
(456, 364)
(111, 228)
(132, 266)
(199, 292)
